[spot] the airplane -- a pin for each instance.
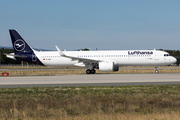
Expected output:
(108, 60)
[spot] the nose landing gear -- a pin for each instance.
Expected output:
(156, 71)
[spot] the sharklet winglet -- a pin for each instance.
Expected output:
(60, 52)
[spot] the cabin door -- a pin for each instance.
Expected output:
(156, 55)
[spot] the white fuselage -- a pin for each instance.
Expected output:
(120, 58)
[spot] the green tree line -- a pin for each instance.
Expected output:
(5, 60)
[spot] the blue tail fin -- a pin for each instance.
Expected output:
(19, 44)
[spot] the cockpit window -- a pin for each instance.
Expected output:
(167, 55)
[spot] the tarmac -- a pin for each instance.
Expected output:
(90, 80)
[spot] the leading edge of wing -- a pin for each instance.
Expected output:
(77, 58)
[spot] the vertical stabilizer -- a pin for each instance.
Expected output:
(19, 44)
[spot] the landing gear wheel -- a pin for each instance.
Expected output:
(93, 71)
(88, 71)
(156, 71)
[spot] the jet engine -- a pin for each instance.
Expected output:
(108, 66)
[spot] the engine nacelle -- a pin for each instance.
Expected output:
(107, 66)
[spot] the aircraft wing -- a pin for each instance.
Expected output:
(84, 60)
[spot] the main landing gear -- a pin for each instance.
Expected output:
(156, 71)
(88, 71)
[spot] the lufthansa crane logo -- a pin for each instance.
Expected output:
(19, 45)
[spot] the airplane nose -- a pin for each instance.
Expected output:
(174, 60)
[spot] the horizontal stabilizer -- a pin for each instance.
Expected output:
(12, 54)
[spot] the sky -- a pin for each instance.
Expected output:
(101, 24)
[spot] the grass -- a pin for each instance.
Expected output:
(110, 102)
(50, 70)
(54, 72)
